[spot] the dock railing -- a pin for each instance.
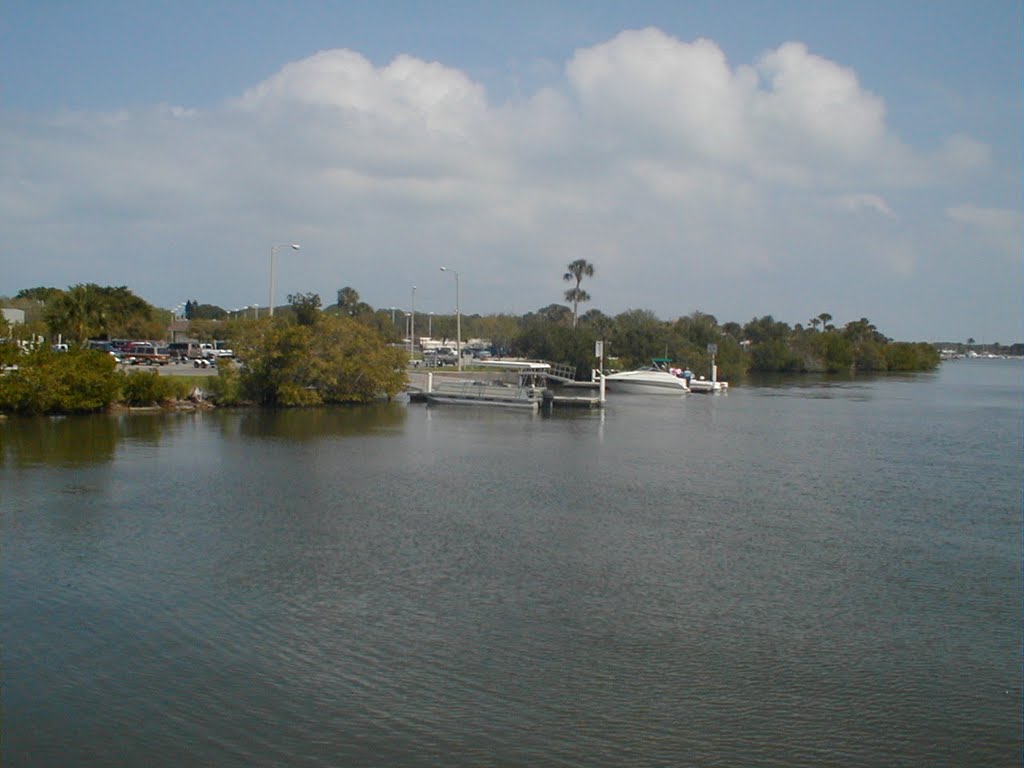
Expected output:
(562, 372)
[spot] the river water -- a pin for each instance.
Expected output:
(806, 571)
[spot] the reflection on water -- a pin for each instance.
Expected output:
(95, 439)
(303, 424)
(59, 440)
(791, 575)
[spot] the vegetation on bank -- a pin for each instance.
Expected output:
(317, 359)
(350, 352)
(78, 381)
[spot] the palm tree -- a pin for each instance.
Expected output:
(577, 270)
(348, 299)
(78, 313)
(825, 318)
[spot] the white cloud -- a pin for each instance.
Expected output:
(686, 179)
(860, 202)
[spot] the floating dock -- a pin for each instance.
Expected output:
(530, 390)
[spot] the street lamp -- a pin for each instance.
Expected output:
(412, 324)
(430, 325)
(273, 255)
(458, 320)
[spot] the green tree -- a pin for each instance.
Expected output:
(638, 337)
(340, 360)
(500, 330)
(306, 307)
(41, 293)
(835, 352)
(577, 270)
(861, 331)
(79, 381)
(553, 313)
(774, 356)
(78, 313)
(199, 311)
(766, 328)
(348, 301)
(557, 342)
(908, 356)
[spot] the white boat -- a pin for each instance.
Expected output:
(708, 386)
(654, 379)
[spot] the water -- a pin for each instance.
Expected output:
(804, 572)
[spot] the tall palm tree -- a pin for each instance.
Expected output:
(577, 270)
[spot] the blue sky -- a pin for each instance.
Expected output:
(738, 158)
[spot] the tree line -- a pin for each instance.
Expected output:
(352, 352)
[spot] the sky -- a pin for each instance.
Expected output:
(739, 158)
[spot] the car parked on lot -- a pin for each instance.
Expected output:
(147, 353)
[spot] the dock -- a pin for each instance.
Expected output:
(534, 388)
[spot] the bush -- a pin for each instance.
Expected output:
(79, 381)
(337, 361)
(225, 388)
(141, 388)
(907, 356)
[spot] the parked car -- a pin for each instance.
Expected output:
(147, 353)
(446, 356)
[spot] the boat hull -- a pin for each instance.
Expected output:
(646, 383)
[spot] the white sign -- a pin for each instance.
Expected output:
(598, 349)
(712, 349)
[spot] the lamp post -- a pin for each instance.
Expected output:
(430, 325)
(412, 324)
(273, 256)
(458, 319)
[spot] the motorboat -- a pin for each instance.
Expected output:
(654, 379)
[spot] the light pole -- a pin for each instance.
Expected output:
(412, 324)
(458, 319)
(430, 325)
(273, 255)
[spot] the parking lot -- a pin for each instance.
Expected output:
(186, 368)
